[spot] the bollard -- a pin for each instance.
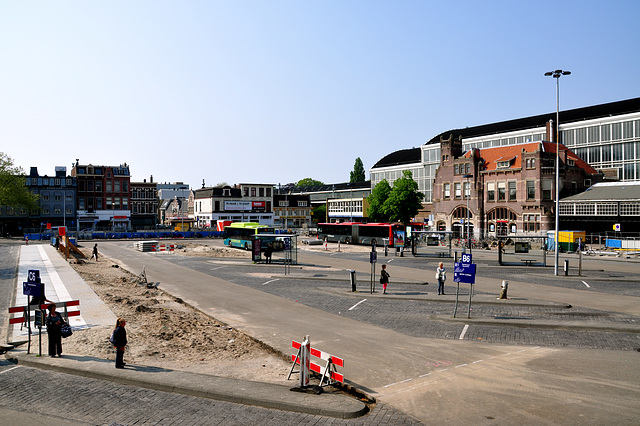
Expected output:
(503, 292)
(338, 245)
(352, 278)
(401, 251)
(305, 359)
(386, 249)
(566, 267)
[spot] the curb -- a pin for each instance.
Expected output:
(267, 395)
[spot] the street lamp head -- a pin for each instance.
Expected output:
(556, 73)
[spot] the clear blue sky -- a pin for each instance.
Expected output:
(276, 91)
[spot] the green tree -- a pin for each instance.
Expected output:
(379, 195)
(303, 183)
(357, 175)
(319, 214)
(13, 192)
(405, 201)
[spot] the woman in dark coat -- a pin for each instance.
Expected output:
(120, 341)
(54, 323)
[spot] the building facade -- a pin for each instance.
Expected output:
(144, 204)
(507, 190)
(605, 136)
(104, 194)
(291, 211)
(57, 198)
(225, 203)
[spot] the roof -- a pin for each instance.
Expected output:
(587, 113)
(608, 191)
(513, 153)
(404, 156)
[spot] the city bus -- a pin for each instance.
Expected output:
(363, 233)
(242, 234)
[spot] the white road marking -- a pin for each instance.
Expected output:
(397, 383)
(464, 331)
(351, 308)
(461, 365)
(585, 283)
(219, 267)
(12, 368)
(270, 281)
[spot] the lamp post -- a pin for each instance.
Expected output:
(557, 74)
(468, 212)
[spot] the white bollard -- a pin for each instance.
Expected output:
(305, 359)
(503, 292)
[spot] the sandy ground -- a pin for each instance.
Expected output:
(164, 332)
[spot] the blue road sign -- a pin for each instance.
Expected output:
(466, 258)
(464, 273)
(373, 257)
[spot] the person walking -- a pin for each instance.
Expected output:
(441, 276)
(94, 253)
(120, 341)
(384, 278)
(54, 323)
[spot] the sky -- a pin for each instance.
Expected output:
(276, 91)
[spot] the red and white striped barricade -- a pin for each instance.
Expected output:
(328, 372)
(66, 313)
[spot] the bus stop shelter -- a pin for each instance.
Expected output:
(285, 248)
(529, 250)
(431, 243)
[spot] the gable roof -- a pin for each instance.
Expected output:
(513, 153)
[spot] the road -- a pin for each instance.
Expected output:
(438, 378)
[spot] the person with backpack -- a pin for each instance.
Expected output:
(119, 341)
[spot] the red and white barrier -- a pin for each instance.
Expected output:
(163, 247)
(62, 305)
(328, 371)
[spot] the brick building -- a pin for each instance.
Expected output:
(509, 189)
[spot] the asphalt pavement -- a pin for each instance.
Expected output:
(434, 380)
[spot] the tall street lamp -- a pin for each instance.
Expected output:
(468, 195)
(557, 74)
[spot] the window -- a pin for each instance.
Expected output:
(571, 162)
(98, 186)
(116, 186)
(81, 203)
(546, 189)
(268, 192)
(503, 164)
(458, 190)
(57, 181)
(467, 190)
(89, 185)
(491, 191)
(253, 192)
(109, 202)
(246, 191)
(587, 183)
(502, 189)
(531, 163)
(456, 171)
(302, 204)
(99, 203)
(260, 192)
(512, 191)
(45, 197)
(109, 186)
(447, 191)
(467, 168)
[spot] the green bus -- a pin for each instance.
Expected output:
(242, 234)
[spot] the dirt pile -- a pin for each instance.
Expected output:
(165, 332)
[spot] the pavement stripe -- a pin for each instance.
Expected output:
(351, 308)
(464, 331)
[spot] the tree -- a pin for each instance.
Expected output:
(306, 182)
(319, 214)
(378, 197)
(357, 175)
(13, 192)
(405, 201)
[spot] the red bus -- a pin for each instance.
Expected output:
(363, 233)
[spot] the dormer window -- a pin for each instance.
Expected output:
(504, 164)
(571, 162)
